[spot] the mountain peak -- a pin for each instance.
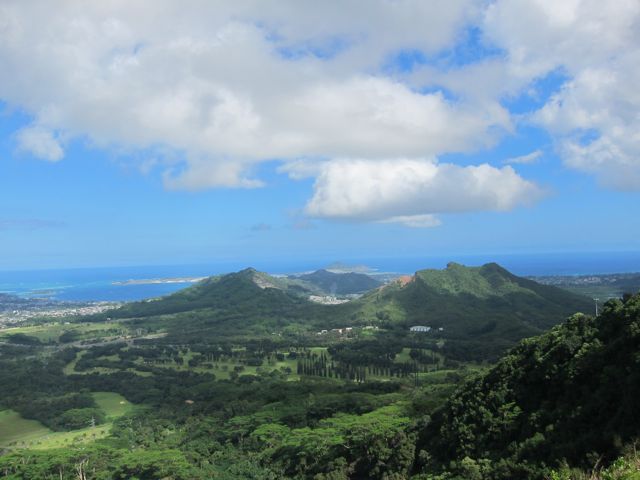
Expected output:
(248, 271)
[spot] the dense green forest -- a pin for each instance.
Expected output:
(569, 395)
(242, 377)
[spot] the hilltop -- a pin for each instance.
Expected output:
(480, 307)
(243, 303)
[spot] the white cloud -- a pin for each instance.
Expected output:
(302, 168)
(226, 86)
(615, 160)
(594, 116)
(203, 173)
(411, 191)
(415, 221)
(540, 35)
(229, 85)
(525, 159)
(594, 46)
(40, 142)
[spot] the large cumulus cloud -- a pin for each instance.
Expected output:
(220, 87)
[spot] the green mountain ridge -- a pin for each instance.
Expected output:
(236, 304)
(481, 311)
(243, 288)
(479, 307)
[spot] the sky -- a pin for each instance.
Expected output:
(164, 132)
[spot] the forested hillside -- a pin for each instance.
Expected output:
(569, 395)
(482, 311)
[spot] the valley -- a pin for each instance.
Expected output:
(241, 376)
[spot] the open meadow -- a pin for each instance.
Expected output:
(18, 432)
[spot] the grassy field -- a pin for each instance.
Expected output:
(50, 332)
(17, 432)
(61, 439)
(70, 368)
(222, 370)
(113, 404)
(404, 355)
(14, 428)
(319, 350)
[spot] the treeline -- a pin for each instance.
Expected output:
(65, 412)
(145, 358)
(321, 367)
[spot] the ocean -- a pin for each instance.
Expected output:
(102, 283)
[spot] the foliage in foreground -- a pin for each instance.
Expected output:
(626, 467)
(555, 398)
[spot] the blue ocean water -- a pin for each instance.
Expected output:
(98, 284)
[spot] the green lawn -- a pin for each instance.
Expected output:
(14, 428)
(17, 432)
(113, 404)
(62, 439)
(403, 356)
(223, 368)
(319, 350)
(50, 332)
(70, 368)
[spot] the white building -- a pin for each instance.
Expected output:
(419, 328)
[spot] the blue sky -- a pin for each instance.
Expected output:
(235, 134)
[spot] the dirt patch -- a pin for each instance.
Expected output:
(405, 279)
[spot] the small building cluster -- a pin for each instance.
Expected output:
(420, 328)
(423, 329)
(327, 299)
(338, 331)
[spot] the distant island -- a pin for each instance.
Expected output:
(155, 281)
